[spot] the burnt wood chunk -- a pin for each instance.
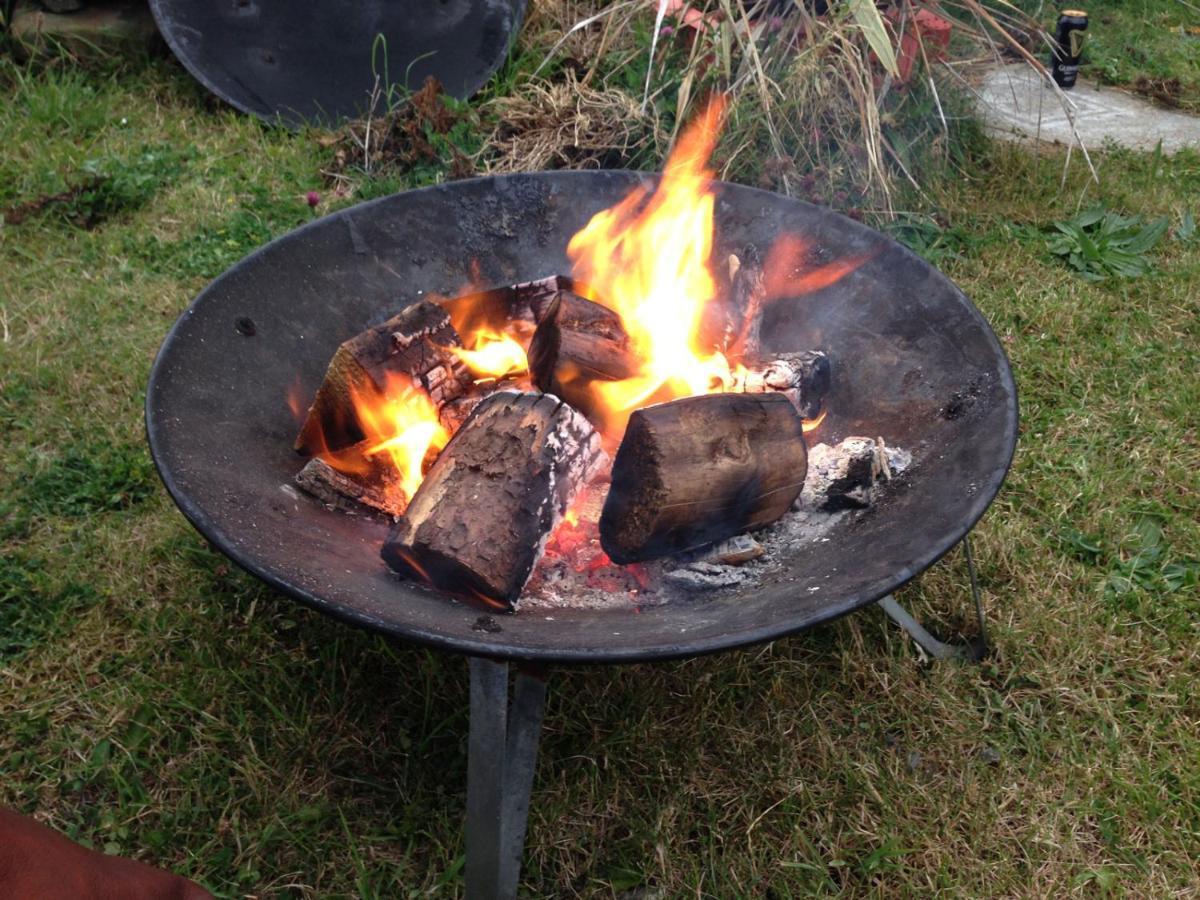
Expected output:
(702, 469)
(410, 344)
(479, 521)
(374, 482)
(805, 378)
(578, 343)
(733, 325)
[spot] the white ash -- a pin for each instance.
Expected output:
(846, 476)
(705, 576)
(840, 479)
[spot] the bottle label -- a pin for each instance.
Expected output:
(1077, 42)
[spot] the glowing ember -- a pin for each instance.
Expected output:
(401, 424)
(813, 424)
(491, 354)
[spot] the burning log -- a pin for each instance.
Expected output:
(411, 344)
(376, 484)
(480, 520)
(578, 343)
(805, 378)
(701, 469)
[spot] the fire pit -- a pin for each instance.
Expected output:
(915, 362)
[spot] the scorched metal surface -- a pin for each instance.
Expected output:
(318, 62)
(914, 361)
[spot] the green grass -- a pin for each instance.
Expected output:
(158, 703)
(1150, 46)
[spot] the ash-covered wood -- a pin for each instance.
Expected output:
(375, 484)
(734, 551)
(410, 344)
(578, 343)
(843, 476)
(479, 522)
(701, 469)
(805, 378)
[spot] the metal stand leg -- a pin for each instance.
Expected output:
(974, 650)
(501, 756)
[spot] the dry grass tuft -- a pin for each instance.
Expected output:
(813, 111)
(565, 123)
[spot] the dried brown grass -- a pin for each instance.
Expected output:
(812, 112)
(549, 124)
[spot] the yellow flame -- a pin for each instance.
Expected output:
(403, 423)
(648, 258)
(492, 354)
(813, 424)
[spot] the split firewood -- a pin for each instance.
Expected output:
(579, 343)
(514, 307)
(480, 520)
(410, 344)
(805, 378)
(376, 483)
(701, 469)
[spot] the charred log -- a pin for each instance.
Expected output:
(805, 378)
(702, 469)
(733, 326)
(479, 522)
(374, 482)
(579, 343)
(410, 344)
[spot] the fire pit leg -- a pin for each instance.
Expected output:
(501, 756)
(972, 651)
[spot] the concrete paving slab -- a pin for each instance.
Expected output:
(1016, 102)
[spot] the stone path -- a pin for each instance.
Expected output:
(1017, 104)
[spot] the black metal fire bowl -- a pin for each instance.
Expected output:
(915, 362)
(301, 62)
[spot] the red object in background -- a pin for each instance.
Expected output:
(922, 27)
(36, 862)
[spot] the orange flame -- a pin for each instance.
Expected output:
(813, 424)
(788, 273)
(648, 259)
(401, 425)
(492, 354)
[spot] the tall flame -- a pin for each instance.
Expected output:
(647, 258)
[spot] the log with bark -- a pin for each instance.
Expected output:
(479, 522)
(702, 469)
(411, 344)
(577, 344)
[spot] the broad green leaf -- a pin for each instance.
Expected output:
(1148, 236)
(1187, 226)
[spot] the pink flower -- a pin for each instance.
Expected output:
(313, 198)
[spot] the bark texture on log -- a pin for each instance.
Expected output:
(578, 343)
(702, 469)
(409, 344)
(375, 483)
(479, 522)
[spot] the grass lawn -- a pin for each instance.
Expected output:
(156, 702)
